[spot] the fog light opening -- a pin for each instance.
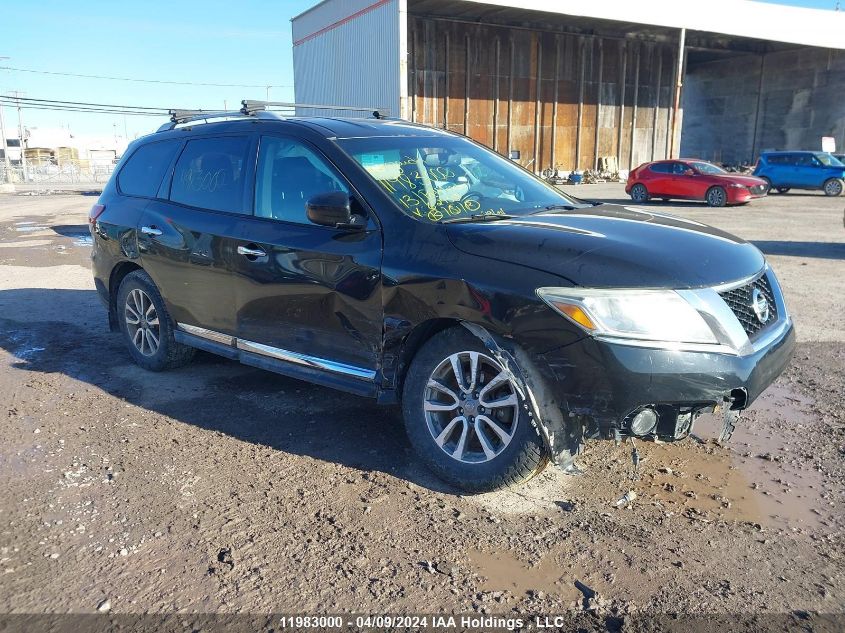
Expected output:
(644, 422)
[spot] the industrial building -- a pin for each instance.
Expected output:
(563, 84)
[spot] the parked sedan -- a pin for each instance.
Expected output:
(691, 179)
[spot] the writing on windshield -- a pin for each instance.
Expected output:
(439, 179)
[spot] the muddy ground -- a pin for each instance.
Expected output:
(220, 488)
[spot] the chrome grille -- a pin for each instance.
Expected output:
(739, 301)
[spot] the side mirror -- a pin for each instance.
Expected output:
(330, 209)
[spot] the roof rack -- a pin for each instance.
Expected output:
(258, 110)
(253, 107)
(178, 117)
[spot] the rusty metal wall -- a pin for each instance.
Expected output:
(560, 100)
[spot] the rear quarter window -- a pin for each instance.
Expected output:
(143, 172)
(210, 174)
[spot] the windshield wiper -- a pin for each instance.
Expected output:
(554, 207)
(478, 217)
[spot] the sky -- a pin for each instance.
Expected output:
(207, 41)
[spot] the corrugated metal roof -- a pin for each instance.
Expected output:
(740, 18)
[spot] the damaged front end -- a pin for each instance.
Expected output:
(562, 435)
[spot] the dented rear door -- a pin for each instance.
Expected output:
(311, 290)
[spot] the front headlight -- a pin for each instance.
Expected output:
(736, 185)
(646, 315)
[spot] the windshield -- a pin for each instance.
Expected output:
(708, 169)
(828, 160)
(441, 178)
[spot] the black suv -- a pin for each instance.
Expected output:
(414, 266)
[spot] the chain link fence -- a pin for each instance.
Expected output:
(51, 176)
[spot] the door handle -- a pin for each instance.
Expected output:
(248, 252)
(150, 230)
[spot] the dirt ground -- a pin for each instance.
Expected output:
(220, 488)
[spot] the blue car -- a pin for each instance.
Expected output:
(801, 170)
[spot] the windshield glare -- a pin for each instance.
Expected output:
(708, 169)
(440, 178)
(828, 160)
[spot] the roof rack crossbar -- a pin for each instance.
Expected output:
(251, 107)
(178, 117)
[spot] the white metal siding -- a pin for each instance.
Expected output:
(340, 58)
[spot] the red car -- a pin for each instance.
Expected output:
(692, 179)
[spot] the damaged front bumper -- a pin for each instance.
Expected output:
(608, 384)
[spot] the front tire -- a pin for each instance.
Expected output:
(832, 187)
(464, 416)
(146, 325)
(639, 193)
(782, 190)
(716, 197)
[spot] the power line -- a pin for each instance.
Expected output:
(88, 110)
(82, 103)
(146, 81)
(31, 103)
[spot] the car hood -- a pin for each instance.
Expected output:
(613, 246)
(747, 181)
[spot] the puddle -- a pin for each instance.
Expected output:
(28, 353)
(25, 244)
(756, 476)
(502, 571)
(84, 240)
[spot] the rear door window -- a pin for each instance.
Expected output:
(210, 174)
(143, 172)
(661, 168)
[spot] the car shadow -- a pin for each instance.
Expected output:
(65, 331)
(75, 231)
(820, 250)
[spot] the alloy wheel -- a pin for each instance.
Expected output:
(639, 193)
(142, 322)
(833, 187)
(716, 197)
(471, 407)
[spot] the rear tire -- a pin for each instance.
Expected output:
(639, 193)
(782, 189)
(833, 187)
(146, 325)
(716, 197)
(436, 419)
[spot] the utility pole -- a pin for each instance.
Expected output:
(20, 137)
(7, 172)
